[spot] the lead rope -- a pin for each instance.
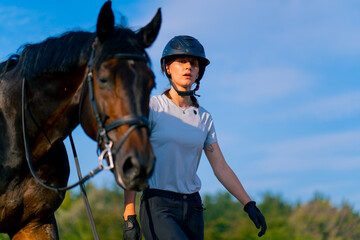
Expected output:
(83, 192)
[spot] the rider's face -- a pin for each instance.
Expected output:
(183, 71)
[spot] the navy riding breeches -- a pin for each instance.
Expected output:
(169, 215)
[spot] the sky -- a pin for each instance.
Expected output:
(283, 85)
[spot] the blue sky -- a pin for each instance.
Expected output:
(283, 85)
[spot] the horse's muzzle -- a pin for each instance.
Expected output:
(133, 170)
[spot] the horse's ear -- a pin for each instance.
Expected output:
(148, 34)
(105, 22)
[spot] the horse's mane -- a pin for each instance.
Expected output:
(55, 54)
(71, 49)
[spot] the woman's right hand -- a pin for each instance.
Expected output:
(131, 230)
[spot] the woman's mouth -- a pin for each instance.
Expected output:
(187, 75)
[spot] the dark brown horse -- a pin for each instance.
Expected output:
(101, 80)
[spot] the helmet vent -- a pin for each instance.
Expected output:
(201, 49)
(189, 42)
(175, 44)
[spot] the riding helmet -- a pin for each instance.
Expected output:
(185, 46)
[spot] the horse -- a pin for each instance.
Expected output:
(101, 80)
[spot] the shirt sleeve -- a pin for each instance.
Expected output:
(152, 112)
(211, 135)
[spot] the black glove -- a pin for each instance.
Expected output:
(256, 216)
(131, 230)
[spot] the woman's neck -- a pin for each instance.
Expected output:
(181, 101)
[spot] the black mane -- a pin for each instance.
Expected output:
(68, 51)
(56, 54)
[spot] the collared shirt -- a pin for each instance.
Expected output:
(178, 136)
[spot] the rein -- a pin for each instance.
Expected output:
(133, 121)
(28, 154)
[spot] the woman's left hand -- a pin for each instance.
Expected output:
(256, 216)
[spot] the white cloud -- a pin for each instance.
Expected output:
(257, 28)
(14, 17)
(326, 187)
(330, 107)
(266, 183)
(255, 35)
(332, 151)
(263, 84)
(334, 190)
(19, 26)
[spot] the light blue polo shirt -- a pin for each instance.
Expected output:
(178, 137)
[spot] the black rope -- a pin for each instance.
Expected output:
(28, 154)
(83, 192)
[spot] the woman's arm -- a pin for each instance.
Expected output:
(231, 182)
(129, 203)
(131, 230)
(225, 174)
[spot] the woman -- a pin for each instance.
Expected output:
(171, 206)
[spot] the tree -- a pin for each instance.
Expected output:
(224, 217)
(319, 220)
(277, 213)
(4, 237)
(107, 207)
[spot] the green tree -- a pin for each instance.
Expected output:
(107, 207)
(277, 213)
(319, 220)
(221, 216)
(224, 217)
(4, 236)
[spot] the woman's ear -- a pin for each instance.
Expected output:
(167, 69)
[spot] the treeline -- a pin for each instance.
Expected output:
(315, 220)
(224, 218)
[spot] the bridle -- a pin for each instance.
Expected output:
(134, 121)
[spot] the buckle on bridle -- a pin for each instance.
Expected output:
(107, 152)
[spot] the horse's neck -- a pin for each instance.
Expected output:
(56, 103)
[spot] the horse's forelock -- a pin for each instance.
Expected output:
(122, 40)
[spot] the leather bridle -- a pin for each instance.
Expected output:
(133, 121)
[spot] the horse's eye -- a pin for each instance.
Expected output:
(103, 80)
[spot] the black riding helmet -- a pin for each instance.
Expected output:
(184, 46)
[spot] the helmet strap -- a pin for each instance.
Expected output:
(184, 93)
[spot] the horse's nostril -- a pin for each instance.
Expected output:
(129, 168)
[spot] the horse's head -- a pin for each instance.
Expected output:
(115, 109)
